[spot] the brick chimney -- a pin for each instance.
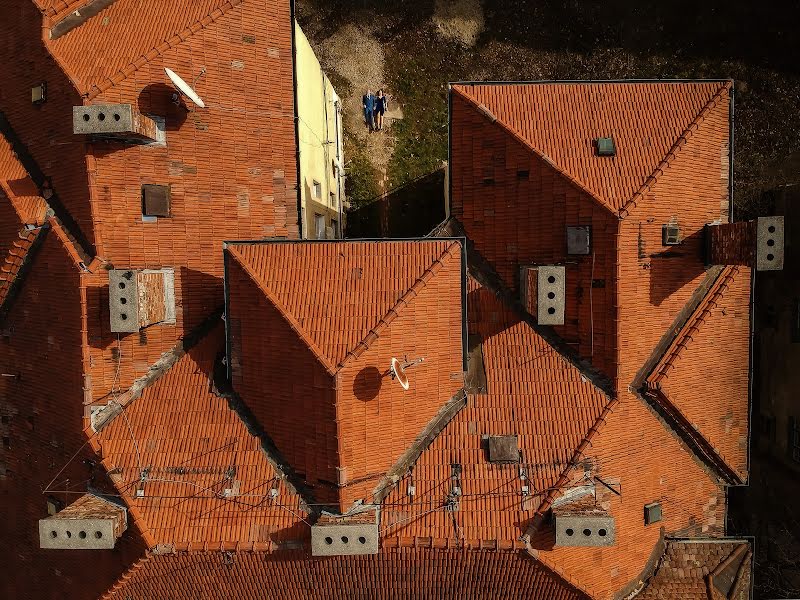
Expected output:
(757, 243)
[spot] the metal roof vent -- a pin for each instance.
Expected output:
(671, 234)
(39, 93)
(578, 238)
(503, 449)
(652, 513)
(140, 298)
(605, 146)
(155, 200)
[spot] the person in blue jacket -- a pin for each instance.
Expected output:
(368, 101)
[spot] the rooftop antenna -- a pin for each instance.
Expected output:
(184, 88)
(397, 370)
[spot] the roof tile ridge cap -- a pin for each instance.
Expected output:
(692, 324)
(126, 575)
(159, 48)
(705, 452)
(165, 363)
(290, 319)
(676, 147)
(61, 234)
(13, 198)
(412, 292)
(62, 7)
(483, 109)
(733, 555)
(594, 430)
(46, 41)
(739, 579)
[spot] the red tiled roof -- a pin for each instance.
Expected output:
(392, 574)
(184, 445)
(128, 33)
(716, 406)
(13, 260)
(702, 570)
(313, 328)
(532, 393)
(336, 294)
(561, 121)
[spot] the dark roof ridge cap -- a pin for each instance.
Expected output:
(676, 147)
(288, 317)
(408, 296)
(577, 455)
(178, 38)
(693, 324)
(484, 110)
(483, 272)
(155, 372)
(425, 438)
(693, 441)
(664, 344)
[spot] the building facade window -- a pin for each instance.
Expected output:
(319, 226)
(317, 190)
(794, 439)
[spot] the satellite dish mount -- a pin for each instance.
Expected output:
(397, 370)
(184, 88)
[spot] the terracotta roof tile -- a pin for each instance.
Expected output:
(337, 293)
(702, 569)
(644, 119)
(184, 446)
(313, 327)
(716, 406)
(397, 573)
(532, 393)
(126, 31)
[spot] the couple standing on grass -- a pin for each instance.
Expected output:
(374, 107)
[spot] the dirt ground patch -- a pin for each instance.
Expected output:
(355, 55)
(459, 20)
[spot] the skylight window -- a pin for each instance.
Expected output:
(605, 146)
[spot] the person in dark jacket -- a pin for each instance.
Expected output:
(381, 104)
(368, 101)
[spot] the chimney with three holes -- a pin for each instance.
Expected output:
(757, 243)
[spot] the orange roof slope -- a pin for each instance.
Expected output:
(699, 570)
(400, 573)
(713, 395)
(533, 393)
(562, 120)
(184, 446)
(337, 293)
(125, 35)
(313, 329)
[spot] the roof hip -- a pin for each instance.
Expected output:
(676, 147)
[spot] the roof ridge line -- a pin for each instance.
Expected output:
(576, 458)
(390, 315)
(692, 324)
(676, 147)
(429, 433)
(484, 273)
(484, 110)
(156, 371)
(174, 41)
(288, 317)
(696, 443)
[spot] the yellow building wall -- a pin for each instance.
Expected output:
(321, 151)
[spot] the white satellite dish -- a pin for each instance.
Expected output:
(398, 370)
(184, 88)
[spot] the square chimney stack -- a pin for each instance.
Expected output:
(757, 243)
(115, 121)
